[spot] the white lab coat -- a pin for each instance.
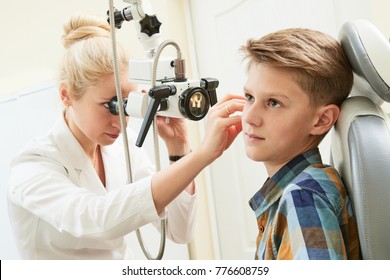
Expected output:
(59, 209)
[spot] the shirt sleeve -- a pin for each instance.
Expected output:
(306, 227)
(181, 213)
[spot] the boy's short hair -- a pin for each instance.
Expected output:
(315, 60)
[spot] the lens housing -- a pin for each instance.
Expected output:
(194, 103)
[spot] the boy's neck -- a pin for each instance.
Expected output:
(273, 167)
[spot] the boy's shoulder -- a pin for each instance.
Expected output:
(318, 181)
(321, 173)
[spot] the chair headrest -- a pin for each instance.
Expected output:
(368, 52)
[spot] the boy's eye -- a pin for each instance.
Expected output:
(249, 97)
(274, 103)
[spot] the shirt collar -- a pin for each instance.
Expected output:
(274, 186)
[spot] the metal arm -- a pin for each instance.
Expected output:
(147, 26)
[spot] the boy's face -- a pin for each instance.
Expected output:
(277, 118)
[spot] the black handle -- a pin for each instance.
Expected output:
(157, 94)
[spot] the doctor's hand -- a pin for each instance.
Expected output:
(175, 135)
(223, 125)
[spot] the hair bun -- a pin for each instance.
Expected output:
(80, 27)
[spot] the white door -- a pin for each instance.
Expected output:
(220, 27)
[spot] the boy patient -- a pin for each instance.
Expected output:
(297, 80)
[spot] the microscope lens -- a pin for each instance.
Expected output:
(197, 104)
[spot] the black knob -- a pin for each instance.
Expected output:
(150, 25)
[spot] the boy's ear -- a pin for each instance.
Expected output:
(327, 117)
(64, 95)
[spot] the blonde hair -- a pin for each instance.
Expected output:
(88, 54)
(315, 60)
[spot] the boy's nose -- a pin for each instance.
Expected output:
(252, 115)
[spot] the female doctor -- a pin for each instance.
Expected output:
(68, 197)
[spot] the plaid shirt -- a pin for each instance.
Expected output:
(304, 212)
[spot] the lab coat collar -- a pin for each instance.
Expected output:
(74, 154)
(69, 146)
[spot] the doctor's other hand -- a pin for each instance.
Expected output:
(175, 135)
(223, 125)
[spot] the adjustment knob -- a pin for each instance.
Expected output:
(150, 25)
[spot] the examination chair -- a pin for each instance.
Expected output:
(360, 143)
